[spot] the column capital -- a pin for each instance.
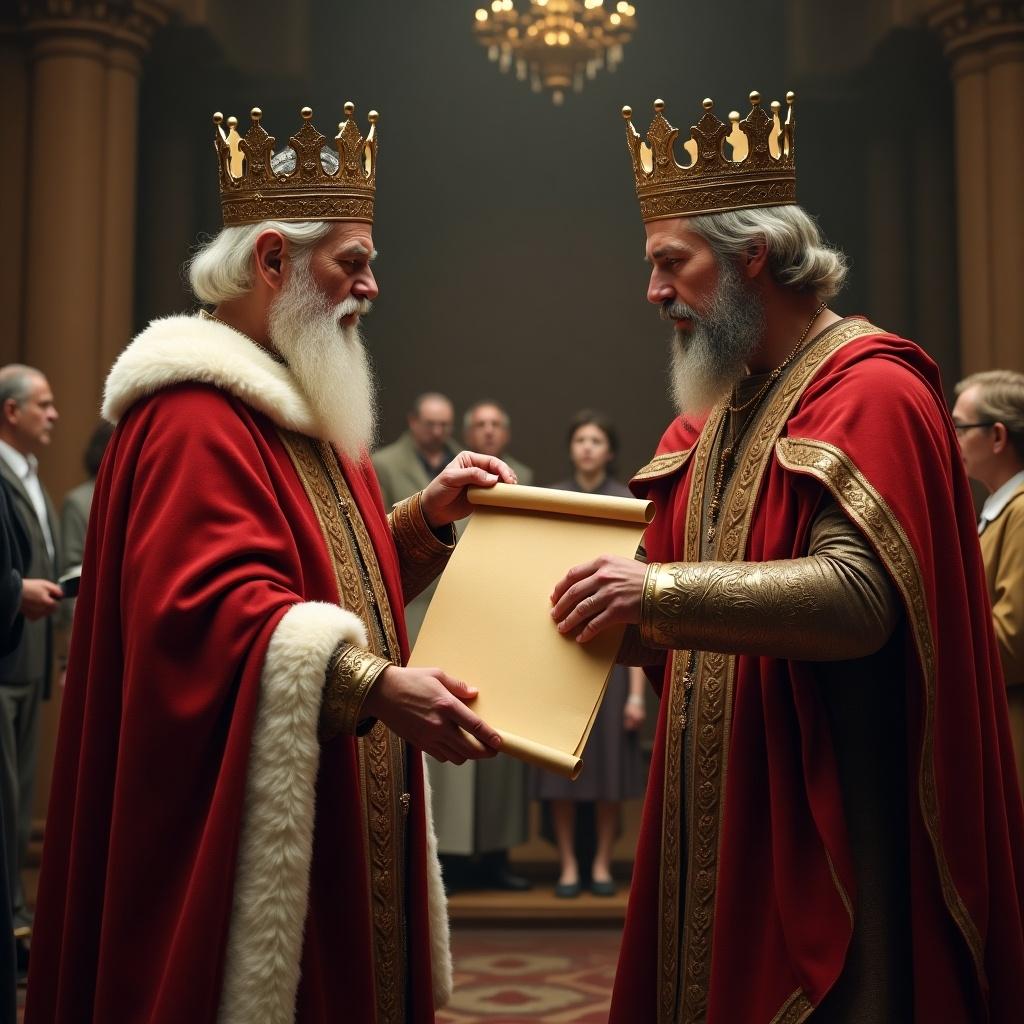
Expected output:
(972, 31)
(123, 25)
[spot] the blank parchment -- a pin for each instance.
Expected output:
(490, 623)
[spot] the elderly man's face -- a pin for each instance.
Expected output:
(31, 421)
(487, 431)
(684, 271)
(432, 426)
(340, 266)
(974, 435)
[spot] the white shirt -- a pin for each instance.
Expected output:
(24, 468)
(996, 501)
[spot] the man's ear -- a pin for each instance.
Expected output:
(10, 409)
(754, 258)
(269, 254)
(1000, 438)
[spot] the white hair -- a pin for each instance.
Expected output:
(221, 269)
(798, 256)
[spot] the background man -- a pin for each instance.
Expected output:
(238, 829)
(832, 813)
(486, 428)
(989, 421)
(27, 416)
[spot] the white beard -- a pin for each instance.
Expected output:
(708, 360)
(329, 361)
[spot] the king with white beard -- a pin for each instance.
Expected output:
(239, 820)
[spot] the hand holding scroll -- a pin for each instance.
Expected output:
(444, 498)
(597, 595)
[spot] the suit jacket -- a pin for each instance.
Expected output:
(74, 520)
(14, 556)
(1002, 548)
(31, 660)
(400, 470)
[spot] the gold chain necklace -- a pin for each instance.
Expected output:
(276, 356)
(728, 450)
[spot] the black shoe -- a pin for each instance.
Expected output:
(567, 890)
(506, 881)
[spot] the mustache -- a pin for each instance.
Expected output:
(678, 311)
(352, 305)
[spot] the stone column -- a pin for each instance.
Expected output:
(84, 65)
(984, 42)
(84, 68)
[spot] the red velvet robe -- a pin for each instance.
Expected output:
(871, 417)
(201, 539)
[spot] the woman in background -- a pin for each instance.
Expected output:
(613, 765)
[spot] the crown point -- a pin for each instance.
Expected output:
(349, 108)
(627, 113)
(256, 114)
(659, 106)
(790, 96)
(232, 122)
(307, 113)
(776, 106)
(755, 99)
(734, 116)
(218, 118)
(709, 103)
(373, 117)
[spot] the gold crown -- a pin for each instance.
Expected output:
(760, 171)
(309, 181)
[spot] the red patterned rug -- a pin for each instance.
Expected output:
(518, 976)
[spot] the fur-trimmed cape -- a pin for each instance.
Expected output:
(205, 855)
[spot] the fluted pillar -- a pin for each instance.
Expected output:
(984, 42)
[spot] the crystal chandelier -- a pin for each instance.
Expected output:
(556, 44)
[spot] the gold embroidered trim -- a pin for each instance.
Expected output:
(711, 699)
(353, 670)
(795, 1009)
(647, 605)
(421, 553)
(868, 509)
(663, 465)
(381, 753)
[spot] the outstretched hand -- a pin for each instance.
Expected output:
(597, 595)
(444, 498)
(428, 708)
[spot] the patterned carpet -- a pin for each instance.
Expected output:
(521, 976)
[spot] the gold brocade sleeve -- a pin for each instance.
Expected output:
(350, 675)
(835, 604)
(421, 553)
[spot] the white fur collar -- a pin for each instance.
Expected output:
(178, 349)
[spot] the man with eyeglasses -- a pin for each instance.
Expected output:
(989, 421)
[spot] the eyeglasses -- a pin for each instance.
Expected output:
(961, 428)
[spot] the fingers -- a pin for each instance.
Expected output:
(475, 726)
(585, 590)
(572, 577)
(462, 690)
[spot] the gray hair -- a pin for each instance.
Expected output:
(16, 382)
(222, 269)
(427, 396)
(1001, 400)
(798, 256)
(485, 403)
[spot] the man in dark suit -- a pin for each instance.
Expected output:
(27, 416)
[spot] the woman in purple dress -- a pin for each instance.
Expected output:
(613, 764)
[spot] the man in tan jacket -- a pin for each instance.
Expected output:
(989, 420)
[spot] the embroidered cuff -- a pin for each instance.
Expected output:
(350, 674)
(422, 554)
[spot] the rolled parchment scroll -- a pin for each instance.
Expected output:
(490, 623)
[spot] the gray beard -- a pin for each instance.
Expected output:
(714, 355)
(329, 362)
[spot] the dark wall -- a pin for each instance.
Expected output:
(509, 235)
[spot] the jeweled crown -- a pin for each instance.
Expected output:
(759, 170)
(309, 180)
